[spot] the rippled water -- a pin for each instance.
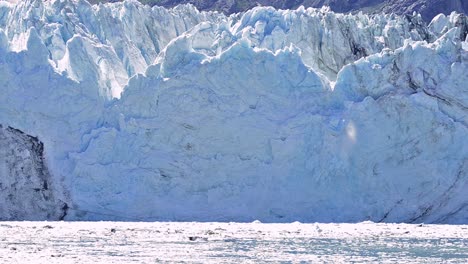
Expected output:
(117, 242)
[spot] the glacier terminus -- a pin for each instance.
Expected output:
(122, 111)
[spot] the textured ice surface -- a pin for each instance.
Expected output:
(154, 114)
(112, 242)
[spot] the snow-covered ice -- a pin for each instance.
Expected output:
(162, 242)
(278, 115)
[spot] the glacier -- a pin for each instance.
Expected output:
(146, 113)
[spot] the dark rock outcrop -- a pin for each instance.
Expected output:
(27, 190)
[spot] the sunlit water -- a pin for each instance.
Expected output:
(117, 242)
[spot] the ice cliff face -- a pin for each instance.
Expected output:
(154, 114)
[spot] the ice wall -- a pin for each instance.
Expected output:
(154, 114)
